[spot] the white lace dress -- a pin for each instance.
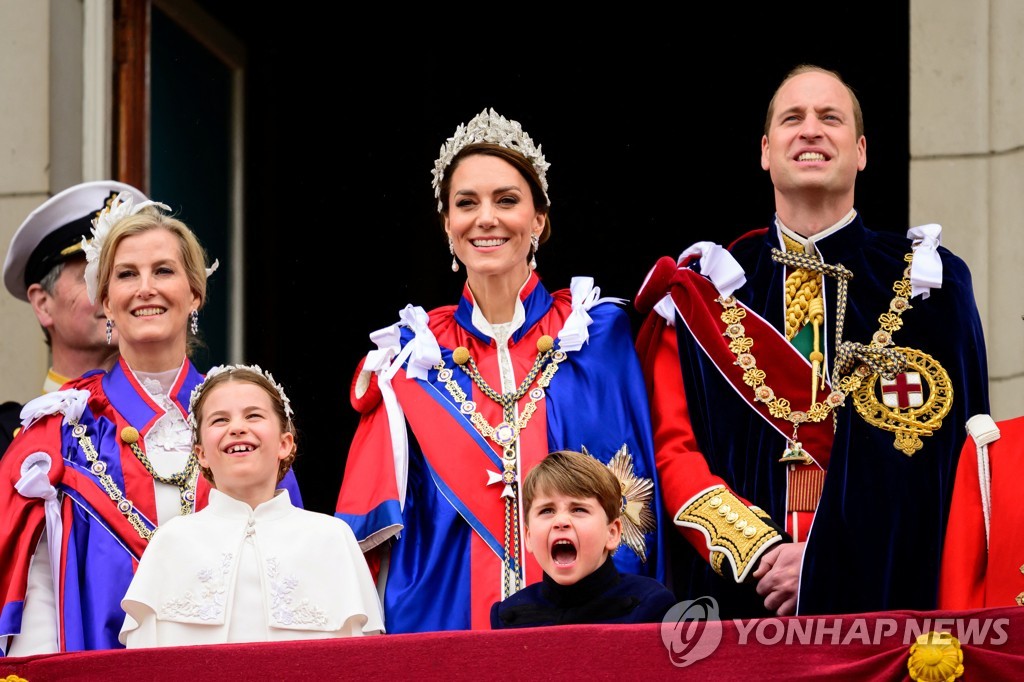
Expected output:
(168, 443)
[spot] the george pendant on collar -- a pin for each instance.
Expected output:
(795, 453)
(912, 404)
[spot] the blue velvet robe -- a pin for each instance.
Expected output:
(876, 539)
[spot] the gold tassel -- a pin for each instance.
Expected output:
(816, 313)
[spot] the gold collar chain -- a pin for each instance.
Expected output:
(505, 434)
(184, 480)
(876, 357)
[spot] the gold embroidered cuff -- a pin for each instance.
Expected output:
(733, 530)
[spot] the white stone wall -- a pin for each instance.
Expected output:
(967, 162)
(24, 177)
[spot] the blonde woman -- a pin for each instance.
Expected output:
(102, 462)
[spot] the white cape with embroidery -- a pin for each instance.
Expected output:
(229, 573)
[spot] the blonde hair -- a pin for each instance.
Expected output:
(193, 255)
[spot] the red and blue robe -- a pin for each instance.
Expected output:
(875, 541)
(446, 542)
(99, 547)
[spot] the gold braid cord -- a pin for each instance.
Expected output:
(733, 530)
(859, 368)
(802, 287)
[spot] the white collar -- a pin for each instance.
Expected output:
(223, 504)
(518, 317)
(809, 242)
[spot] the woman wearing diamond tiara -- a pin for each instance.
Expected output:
(458, 404)
(99, 463)
(249, 567)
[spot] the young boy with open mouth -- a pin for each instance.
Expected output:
(573, 505)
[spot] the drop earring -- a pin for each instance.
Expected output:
(535, 243)
(194, 322)
(451, 250)
(110, 330)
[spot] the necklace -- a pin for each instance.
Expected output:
(875, 357)
(184, 480)
(505, 434)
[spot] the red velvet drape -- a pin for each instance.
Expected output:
(865, 647)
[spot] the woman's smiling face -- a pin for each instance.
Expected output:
(492, 217)
(149, 297)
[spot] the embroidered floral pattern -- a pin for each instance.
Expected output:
(209, 603)
(283, 608)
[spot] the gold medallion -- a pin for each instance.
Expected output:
(912, 405)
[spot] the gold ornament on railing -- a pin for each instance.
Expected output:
(935, 657)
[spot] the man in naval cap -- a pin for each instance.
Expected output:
(44, 267)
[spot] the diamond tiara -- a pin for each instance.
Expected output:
(221, 369)
(490, 126)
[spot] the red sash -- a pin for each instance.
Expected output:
(787, 370)
(459, 457)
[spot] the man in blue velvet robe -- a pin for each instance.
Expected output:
(810, 385)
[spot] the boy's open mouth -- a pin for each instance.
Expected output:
(563, 552)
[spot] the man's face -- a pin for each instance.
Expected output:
(72, 320)
(812, 143)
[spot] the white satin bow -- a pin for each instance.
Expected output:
(71, 402)
(422, 352)
(718, 265)
(585, 296)
(926, 270)
(35, 482)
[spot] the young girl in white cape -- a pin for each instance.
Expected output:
(249, 567)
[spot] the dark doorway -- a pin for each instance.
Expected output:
(652, 131)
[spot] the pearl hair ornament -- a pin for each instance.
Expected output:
(120, 207)
(221, 369)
